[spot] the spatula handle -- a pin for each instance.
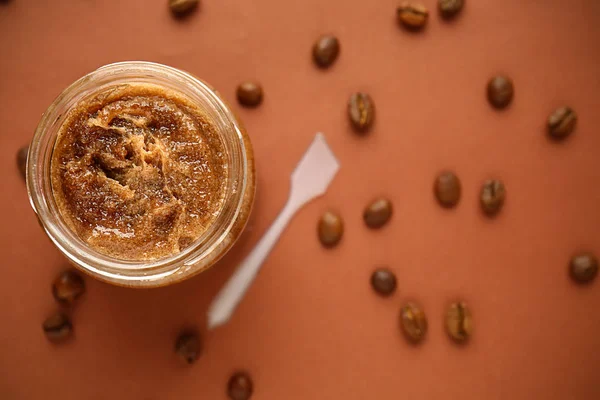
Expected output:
(230, 295)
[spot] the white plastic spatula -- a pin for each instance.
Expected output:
(310, 179)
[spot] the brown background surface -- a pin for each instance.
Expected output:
(310, 327)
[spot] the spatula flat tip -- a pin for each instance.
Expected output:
(317, 168)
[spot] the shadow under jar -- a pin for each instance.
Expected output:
(141, 174)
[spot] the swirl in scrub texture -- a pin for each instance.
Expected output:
(138, 172)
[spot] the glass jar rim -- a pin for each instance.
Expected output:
(178, 266)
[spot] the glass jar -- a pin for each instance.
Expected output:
(204, 251)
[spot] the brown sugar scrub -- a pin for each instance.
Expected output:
(138, 174)
(141, 174)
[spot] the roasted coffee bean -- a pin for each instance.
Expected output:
(492, 196)
(412, 15)
(449, 8)
(413, 322)
(188, 346)
(583, 267)
(22, 160)
(330, 229)
(361, 111)
(500, 91)
(383, 281)
(182, 7)
(68, 287)
(378, 213)
(459, 323)
(325, 50)
(240, 386)
(447, 189)
(58, 327)
(249, 94)
(561, 122)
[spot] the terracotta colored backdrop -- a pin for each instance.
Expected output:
(310, 327)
